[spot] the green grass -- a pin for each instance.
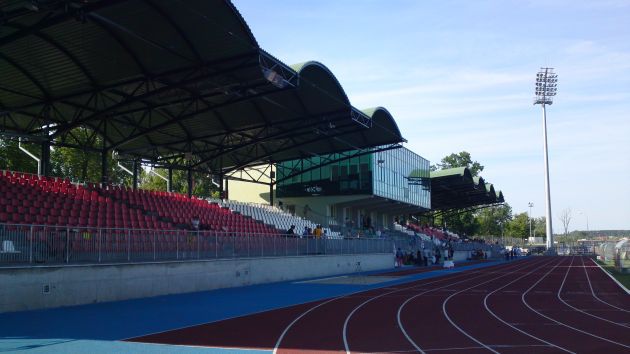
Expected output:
(610, 268)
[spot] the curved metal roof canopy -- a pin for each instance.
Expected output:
(456, 188)
(181, 84)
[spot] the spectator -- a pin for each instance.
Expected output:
(306, 231)
(195, 223)
(410, 258)
(399, 258)
(291, 230)
(318, 231)
(419, 257)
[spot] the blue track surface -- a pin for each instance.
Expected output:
(97, 328)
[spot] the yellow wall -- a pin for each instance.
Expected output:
(248, 191)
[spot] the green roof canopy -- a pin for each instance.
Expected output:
(456, 188)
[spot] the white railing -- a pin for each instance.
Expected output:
(40, 244)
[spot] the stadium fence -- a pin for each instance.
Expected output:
(37, 244)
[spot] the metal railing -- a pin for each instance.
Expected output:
(38, 244)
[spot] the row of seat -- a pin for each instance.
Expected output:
(183, 210)
(432, 231)
(271, 215)
(30, 199)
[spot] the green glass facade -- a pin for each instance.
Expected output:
(346, 177)
(402, 175)
(397, 174)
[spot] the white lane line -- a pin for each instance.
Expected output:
(581, 310)
(402, 306)
(445, 312)
(613, 278)
(345, 323)
(495, 346)
(275, 348)
(464, 348)
(284, 332)
(558, 322)
(485, 304)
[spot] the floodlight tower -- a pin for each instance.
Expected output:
(530, 205)
(546, 86)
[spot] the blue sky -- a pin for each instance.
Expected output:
(459, 75)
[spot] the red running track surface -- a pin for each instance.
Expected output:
(539, 305)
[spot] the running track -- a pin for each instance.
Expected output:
(541, 305)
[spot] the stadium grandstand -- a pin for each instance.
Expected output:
(283, 143)
(316, 201)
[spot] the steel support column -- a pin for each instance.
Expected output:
(190, 182)
(136, 165)
(170, 179)
(104, 168)
(226, 193)
(45, 158)
(272, 175)
(221, 190)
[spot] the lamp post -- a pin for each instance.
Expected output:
(586, 215)
(530, 205)
(546, 86)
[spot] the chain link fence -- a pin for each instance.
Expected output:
(34, 244)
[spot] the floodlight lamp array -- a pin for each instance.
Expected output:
(546, 83)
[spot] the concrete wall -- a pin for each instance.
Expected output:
(23, 288)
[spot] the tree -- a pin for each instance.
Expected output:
(565, 218)
(150, 181)
(462, 159)
(85, 164)
(539, 225)
(11, 158)
(518, 226)
(491, 219)
(202, 183)
(462, 222)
